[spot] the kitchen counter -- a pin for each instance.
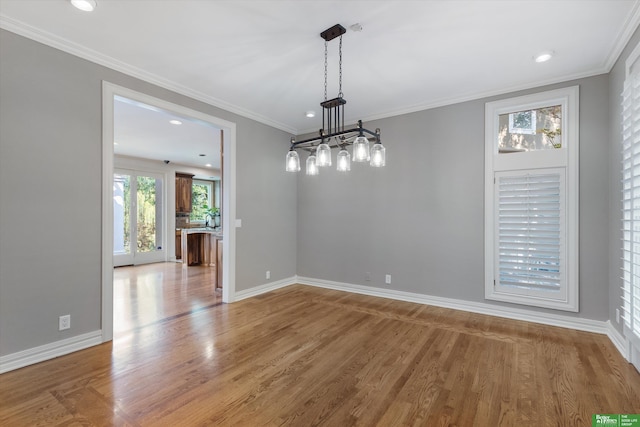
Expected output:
(210, 230)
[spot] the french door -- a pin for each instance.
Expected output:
(138, 205)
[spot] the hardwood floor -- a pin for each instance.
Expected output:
(151, 293)
(305, 356)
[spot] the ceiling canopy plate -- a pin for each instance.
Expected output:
(333, 32)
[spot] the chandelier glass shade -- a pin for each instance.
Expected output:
(312, 167)
(293, 161)
(361, 150)
(333, 133)
(344, 160)
(377, 155)
(323, 155)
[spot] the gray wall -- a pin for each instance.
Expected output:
(616, 83)
(421, 217)
(50, 192)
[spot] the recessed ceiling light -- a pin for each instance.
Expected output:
(208, 165)
(175, 122)
(84, 5)
(115, 143)
(310, 114)
(543, 56)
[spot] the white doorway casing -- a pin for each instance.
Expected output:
(109, 91)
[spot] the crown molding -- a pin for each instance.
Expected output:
(626, 32)
(65, 45)
(443, 102)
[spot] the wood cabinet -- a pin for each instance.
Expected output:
(184, 183)
(178, 244)
(196, 250)
(198, 247)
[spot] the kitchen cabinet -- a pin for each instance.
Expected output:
(198, 252)
(178, 244)
(184, 183)
(199, 246)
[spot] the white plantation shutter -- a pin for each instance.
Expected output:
(631, 207)
(531, 233)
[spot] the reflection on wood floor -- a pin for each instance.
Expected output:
(305, 356)
(150, 293)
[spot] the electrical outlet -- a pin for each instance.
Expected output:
(268, 275)
(617, 315)
(387, 279)
(64, 322)
(367, 276)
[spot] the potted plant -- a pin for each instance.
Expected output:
(213, 213)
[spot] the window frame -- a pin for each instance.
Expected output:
(627, 305)
(565, 158)
(210, 197)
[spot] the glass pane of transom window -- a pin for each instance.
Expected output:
(530, 130)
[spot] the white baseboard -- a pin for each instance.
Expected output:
(69, 345)
(262, 289)
(621, 343)
(580, 324)
(49, 351)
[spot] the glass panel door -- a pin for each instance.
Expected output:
(138, 219)
(121, 213)
(148, 233)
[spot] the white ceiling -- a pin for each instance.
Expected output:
(145, 131)
(263, 59)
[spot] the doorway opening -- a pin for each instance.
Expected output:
(156, 200)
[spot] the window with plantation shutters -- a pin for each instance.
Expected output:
(530, 232)
(631, 205)
(531, 201)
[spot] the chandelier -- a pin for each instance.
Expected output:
(333, 133)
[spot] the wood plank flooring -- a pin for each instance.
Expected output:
(303, 356)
